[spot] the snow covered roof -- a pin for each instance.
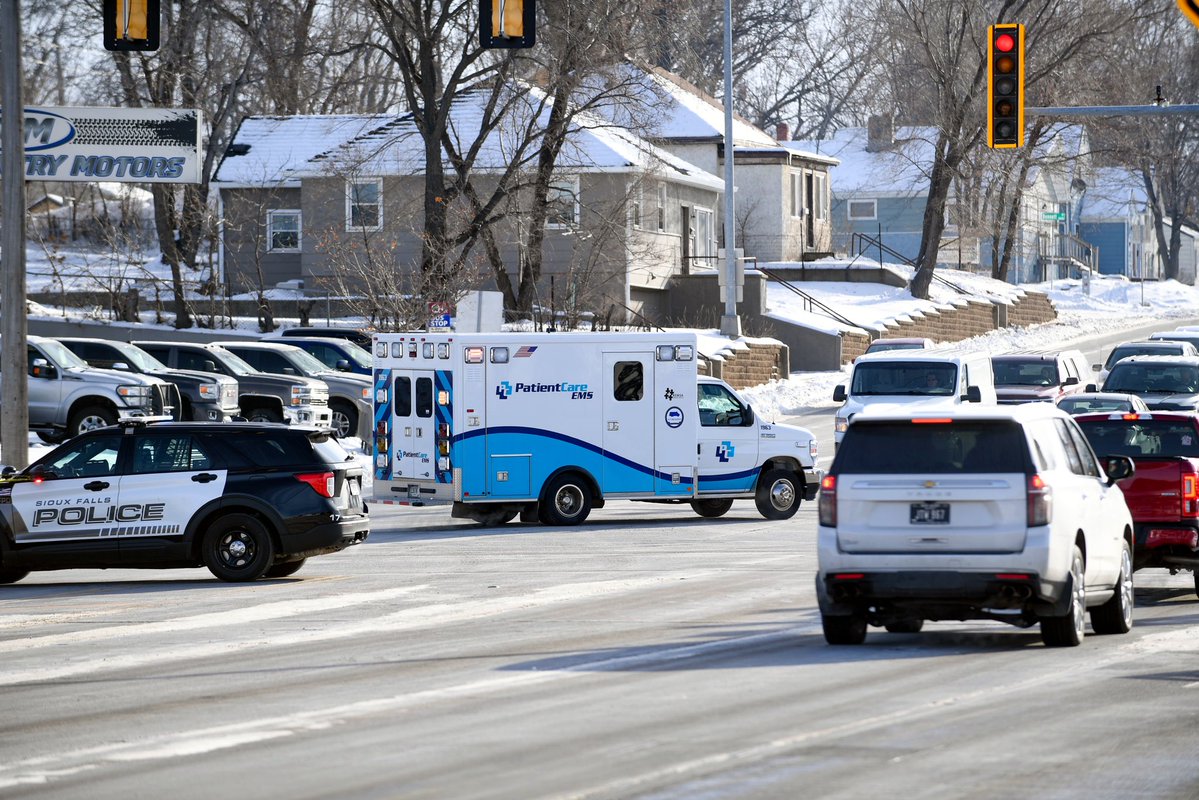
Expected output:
(594, 145)
(275, 146)
(1118, 194)
(687, 112)
(901, 170)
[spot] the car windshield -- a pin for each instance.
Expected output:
(233, 362)
(1087, 405)
(904, 378)
(880, 347)
(60, 354)
(1142, 437)
(1152, 379)
(138, 357)
(909, 448)
(357, 356)
(1126, 351)
(307, 363)
(1033, 372)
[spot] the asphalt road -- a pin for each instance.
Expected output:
(646, 654)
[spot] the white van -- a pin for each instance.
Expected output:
(921, 379)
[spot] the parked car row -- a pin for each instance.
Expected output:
(1019, 495)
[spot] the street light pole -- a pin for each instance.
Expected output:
(730, 323)
(14, 382)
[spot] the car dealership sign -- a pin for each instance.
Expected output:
(136, 145)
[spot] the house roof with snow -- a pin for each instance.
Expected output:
(1118, 195)
(593, 145)
(265, 151)
(899, 170)
(686, 112)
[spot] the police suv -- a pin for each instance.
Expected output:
(246, 500)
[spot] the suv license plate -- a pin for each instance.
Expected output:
(930, 514)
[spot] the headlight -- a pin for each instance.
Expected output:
(840, 424)
(210, 391)
(134, 395)
(300, 394)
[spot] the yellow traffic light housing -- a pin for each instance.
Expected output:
(507, 23)
(130, 24)
(1005, 86)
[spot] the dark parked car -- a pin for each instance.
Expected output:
(246, 500)
(339, 355)
(205, 397)
(360, 338)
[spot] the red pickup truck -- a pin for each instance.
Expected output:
(1163, 493)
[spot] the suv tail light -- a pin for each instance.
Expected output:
(321, 482)
(1040, 502)
(828, 501)
(1190, 494)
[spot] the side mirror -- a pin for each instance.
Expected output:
(839, 394)
(6, 470)
(290, 371)
(120, 365)
(210, 366)
(1090, 387)
(747, 417)
(1071, 381)
(1118, 468)
(973, 394)
(1096, 367)
(343, 365)
(41, 368)
(40, 472)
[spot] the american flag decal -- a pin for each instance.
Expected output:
(525, 351)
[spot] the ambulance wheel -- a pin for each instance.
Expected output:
(284, 569)
(712, 508)
(238, 548)
(9, 575)
(567, 501)
(344, 420)
(89, 418)
(491, 517)
(778, 494)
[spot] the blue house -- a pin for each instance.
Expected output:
(1117, 219)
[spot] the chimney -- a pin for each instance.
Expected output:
(880, 133)
(782, 132)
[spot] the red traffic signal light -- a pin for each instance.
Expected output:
(1005, 86)
(507, 23)
(130, 24)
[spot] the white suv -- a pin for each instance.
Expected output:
(1000, 513)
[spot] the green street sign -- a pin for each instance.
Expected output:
(1053, 216)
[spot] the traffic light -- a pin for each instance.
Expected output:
(130, 24)
(507, 23)
(1005, 86)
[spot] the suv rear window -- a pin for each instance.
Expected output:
(1142, 437)
(908, 448)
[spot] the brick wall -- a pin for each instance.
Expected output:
(761, 363)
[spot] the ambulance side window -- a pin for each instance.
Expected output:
(95, 457)
(403, 397)
(628, 380)
(424, 397)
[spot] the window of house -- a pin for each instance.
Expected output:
(635, 208)
(364, 205)
(562, 203)
(862, 209)
(821, 198)
(705, 237)
(661, 206)
(797, 194)
(283, 231)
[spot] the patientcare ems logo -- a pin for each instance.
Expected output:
(724, 451)
(577, 391)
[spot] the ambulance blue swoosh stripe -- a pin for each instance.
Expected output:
(569, 440)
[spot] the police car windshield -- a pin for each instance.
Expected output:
(139, 358)
(61, 355)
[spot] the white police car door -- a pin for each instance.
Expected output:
(628, 431)
(170, 476)
(413, 426)
(77, 500)
(728, 449)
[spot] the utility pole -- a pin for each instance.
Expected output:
(730, 323)
(14, 381)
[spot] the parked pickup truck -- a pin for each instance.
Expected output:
(1163, 493)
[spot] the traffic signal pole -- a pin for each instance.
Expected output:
(1150, 110)
(730, 323)
(14, 382)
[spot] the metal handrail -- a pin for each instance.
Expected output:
(810, 302)
(859, 237)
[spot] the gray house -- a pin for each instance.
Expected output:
(303, 197)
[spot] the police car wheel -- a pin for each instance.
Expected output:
(89, 418)
(567, 501)
(12, 575)
(284, 569)
(712, 508)
(344, 420)
(238, 548)
(778, 494)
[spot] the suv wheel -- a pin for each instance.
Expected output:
(10, 575)
(1068, 629)
(284, 569)
(1115, 616)
(778, 494)
(844, 630)
(344, 420)
(262, 415)
(238, 548)
(52, 438)
(567, 501)
(89, 418)
(712, 508)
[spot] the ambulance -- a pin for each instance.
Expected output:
(552, 425)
